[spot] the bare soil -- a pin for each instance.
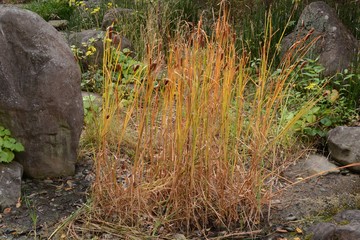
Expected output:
(316, 199)
(45, 203)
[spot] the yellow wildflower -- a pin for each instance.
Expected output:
(90, 51)
(311, 86)
(71, 2)
(80, 3)
(95, 10)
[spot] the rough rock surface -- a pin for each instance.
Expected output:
(347, 227)
(10, 183)
(319, 164)
(40, 95)
(336, 47)
(344, 145)
(59, 24)
(113, 16)
(83, 40)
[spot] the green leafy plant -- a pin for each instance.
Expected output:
(127, 70)
(33, 215)
(8, 146)
(334, 108)
(91, 108)
(92, 80)
(51, 9)
(87, 15)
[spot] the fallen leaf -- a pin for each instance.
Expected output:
(298, 231)
(7, 210)
(70, 183)
(59, 187)
(297, 238)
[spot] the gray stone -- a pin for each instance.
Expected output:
(336, 47)
(59, 24)
(40, 94)
(92, 3)
(179, 236)
(323, 231)
(114, 15)
(344, 146)
(318, 164)
(10, 184)
(347, 227)
(82, 41)
(348, 215)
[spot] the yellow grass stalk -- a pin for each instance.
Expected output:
(208, 139)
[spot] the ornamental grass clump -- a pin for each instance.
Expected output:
(210, 137)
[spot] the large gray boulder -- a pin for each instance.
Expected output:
(336, 48)
(40, 95)
(10, 184)
(344, 146)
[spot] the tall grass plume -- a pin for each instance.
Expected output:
(210, 136)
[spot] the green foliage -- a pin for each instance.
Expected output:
(128, 70)
(51, 9)
(87, 15)
(92, 81)
(8, 146)
(91, 108)
(334, 108)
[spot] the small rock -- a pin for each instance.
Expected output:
(318, 164)
(344, 146)
(291, 217)
(179, 236)
(348, 215)
(289, 229)
(48, 181)
(339, 231)
(59, 24)
(10, 184)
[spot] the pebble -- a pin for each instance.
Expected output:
(48, 181)
(291, 217)
(179, 236)
(289, 229)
